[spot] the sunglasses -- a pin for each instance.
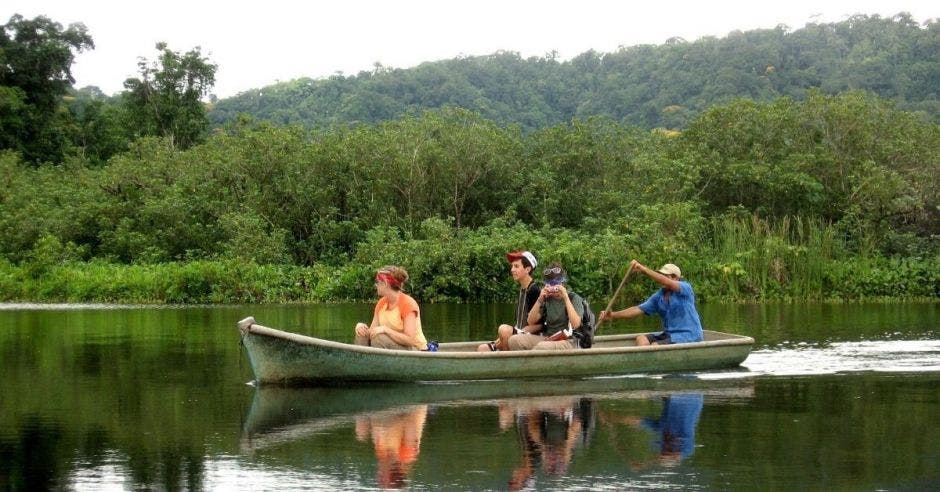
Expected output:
(552, 271)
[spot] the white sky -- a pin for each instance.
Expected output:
(258, 43)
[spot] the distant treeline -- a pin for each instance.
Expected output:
(650, 86)
(832, 196)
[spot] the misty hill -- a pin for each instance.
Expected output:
(648, 85)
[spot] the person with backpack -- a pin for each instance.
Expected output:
(559, 316)
(674, 303)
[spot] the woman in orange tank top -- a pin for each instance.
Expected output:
(396, 321)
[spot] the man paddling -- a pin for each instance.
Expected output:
(674, 303)
(521, 264)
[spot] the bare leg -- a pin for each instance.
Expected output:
(504, 331)
(502, 342)
(642, 341)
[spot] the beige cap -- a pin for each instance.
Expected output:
(670, 269)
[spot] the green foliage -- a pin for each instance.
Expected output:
(98, 128)
(852, 158)
(756, 258)
(749, 259)
(661, 86)
(754, 200)
(884, 277)
(165, 100)
(36, 58)
(773, 190)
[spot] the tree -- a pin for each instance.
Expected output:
(96, 125)
(36, 58)
(651, 86)
(166, 100)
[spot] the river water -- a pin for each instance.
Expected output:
(834, 396)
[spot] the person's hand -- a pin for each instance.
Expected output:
(560, 291)
(362, 330)
(378, 330)
(636, 266)
(606, 315)
(547, 292)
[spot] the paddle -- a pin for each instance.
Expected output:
(613, 298)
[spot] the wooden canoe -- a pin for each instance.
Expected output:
(288, 358)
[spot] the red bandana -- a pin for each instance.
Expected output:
(388, 279)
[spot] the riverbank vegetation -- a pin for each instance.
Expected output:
(832, 197)
(816, 196)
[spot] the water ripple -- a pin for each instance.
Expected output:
(847, 357)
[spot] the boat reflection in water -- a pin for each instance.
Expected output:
(489, 435)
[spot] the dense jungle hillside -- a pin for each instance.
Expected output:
(651, 86)
(781, 184)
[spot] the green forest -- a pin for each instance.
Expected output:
(650, 86)
(811, 193)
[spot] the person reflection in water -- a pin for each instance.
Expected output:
(674, 429)
(549, 431)
(396, 438)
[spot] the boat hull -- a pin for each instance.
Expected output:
(288, 358)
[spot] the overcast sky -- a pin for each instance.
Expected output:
(258, 43)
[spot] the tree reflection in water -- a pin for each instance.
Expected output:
(396, 438)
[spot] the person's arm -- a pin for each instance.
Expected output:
(531, 297)
(666, 282)
(630, 312)
(405, 337)
(375, 315)
(535, 314)
(574, 317)
(646, 307)
(362, 330)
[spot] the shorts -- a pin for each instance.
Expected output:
(661, 338)
(524, 341)
(569, 344)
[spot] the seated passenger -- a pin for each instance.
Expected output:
(521, 265)
(555, 311)
(396, 321)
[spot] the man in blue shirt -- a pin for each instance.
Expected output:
(674, 303)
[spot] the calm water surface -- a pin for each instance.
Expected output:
(835, 396)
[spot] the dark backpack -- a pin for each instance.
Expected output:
(585, 334)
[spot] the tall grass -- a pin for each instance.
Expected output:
(755, 257)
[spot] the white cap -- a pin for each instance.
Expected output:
(516, 255)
